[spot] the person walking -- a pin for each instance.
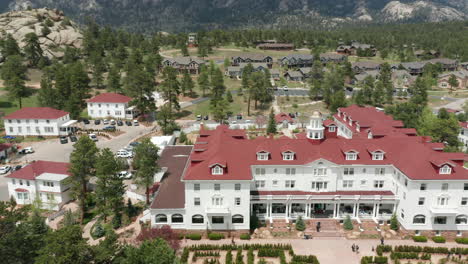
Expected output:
(357, 249)
(382, 241)
(353, 248)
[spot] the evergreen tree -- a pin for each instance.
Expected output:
(300, 225)
(348, 224)
(419, 93)
(184, 50)
(187, 84)
(170, 88)
(10, 47)
(150, 251)
(13, 73)
(271, 128)
(32, 49)
(47, 95)
(453, 82)
(139, 85)
(368, 89)
(394, 223)
(315, 89)
(146, 156)
(82, 164)
(386, 78)
(79, 89)
(166, 120)
(379, 94)
(229, 97)
(113, 80)
(220, 109)
(217, 88)
(203, 82)
(98, 67)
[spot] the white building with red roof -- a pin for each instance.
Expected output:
(463, 135)
(38, 121)
(321, 175)
(43, 180)
(111, 105)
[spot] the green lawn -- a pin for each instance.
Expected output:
(8, 106)
(306, 110)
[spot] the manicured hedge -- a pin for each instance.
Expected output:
(383, 248)
(215, 236)
(404, 255)
(194, 236)
(309, 259)
(244, 236)
(372, 260)
(438, 239)
(420, 239)
(462, 240)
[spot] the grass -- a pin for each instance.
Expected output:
(8, 106)
(435, 102)
(454, 94)
(306, 110)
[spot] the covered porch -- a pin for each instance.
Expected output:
(68, 128)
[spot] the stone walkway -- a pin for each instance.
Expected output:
(329, 250)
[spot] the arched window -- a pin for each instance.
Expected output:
(446, 169)
(161, 218)
(177, 218)
(197, 219)
(237, 219)
(461, 220)
(217, 170)
(419, 219)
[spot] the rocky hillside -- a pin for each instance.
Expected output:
(61, 31)
(186, 15)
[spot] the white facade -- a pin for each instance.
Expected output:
(108, 110)
(463, 136)
(38, 127)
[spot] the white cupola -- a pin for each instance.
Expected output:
(315, 128)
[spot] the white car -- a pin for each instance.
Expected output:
(5, 169)
(124, 154)
(135, 123)
(93, 137)
(125, 175)
(27, 150)
(105, 122)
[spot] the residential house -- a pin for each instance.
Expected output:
(402, 79)
(461, 76)
(43, 180)
(359, 78)
(295, 76)
(188, 64)
(464, 65)
(297, 60)
(275, 46)
(332, 57)
(275, 74)
(361, 66)
(447, 64)
(354, 47)
(414, 68)
(111, 105)
(422, 54)
(38, 121)
(306, 72)
(252, 58)
(236, 71)
(283, 120)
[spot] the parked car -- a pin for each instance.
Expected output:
(27, 150)
(105, 122)
(86, 121)
(125, 175)
(120, 123)
(63, 140)
(199, 117)
(5, 169)
(128, 123)
(18, 167)
(124, 154)
(93, 137)
(135, 123)
(134, 144)
(206, 117)
(109, 128)
(73, 138)
(112, 122)
(97, 122)
(239, 117)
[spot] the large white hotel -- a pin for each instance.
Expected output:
(363, 164)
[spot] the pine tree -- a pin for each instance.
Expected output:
(166, 120)
(113, 80)
(348, 224)
(47, 95)
(32, 49)
(170, 88)
(394, 223)
(203, 82)
(271, 128)
(453, 82)
(184, 50)
(379, 93)
(13, 74)
(139, 85)
(146, 156)
(229, 97)
(187, 84)
(98, 67)
(10, 47)
(300, 225)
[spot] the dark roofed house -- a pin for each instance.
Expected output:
(275, 74)
(361, 66)
(414, 68)
(183, 64)
(420, 54)
(275, 46)
(294, 76)
(251, 58)
(363, 75)
(354, 47)
(447, 64)
(464, 65)
(297, 60)
(236, 71)
(461, 76)
(402, 79)
(332, 57)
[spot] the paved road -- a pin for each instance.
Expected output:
(52, 150)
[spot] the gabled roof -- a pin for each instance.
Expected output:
(36, 113)
(110, 98)
(37, 168)
(281, 117)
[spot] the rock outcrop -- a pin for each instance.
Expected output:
(61, 31)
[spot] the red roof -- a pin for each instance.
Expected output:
(110, 98)
(20, 190)
(328, 122)
(36, 113)
(35, 169)
(464, 124)
(411, 155)
(279, 118)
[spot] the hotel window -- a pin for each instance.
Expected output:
(461, 220)
(99, 105)
(47, 121)
(260, 171)
(262, 156)
(237, 186)
(11, 130)
(421, 200)
(217, 170)
(406, 182)
(378, 184)
(20, 130)
(351, 156)
(48, 184)
(116, 105)
(444, 186)
(118, 113)
(275, 183)
(18, 121)
(237, 201)
(347, 184)
(440, 220)
(49, 129)
(290, 184)
(363, 182)
(348, 171)
(465, 186)
(260, 184)
(464, 201)
(320, 172)
(379, 171)
(423, 187)
(217, 187)
(9, 121)
(288, 156)
(217, 219)
(290, 171)
(196, 187)
(50, 196)
(21, 182)
(442, 201)
(318, 186)
(27, 183)
(446, 169)
(196, 201)
(217, 201)
(13, 181)
(377, 156)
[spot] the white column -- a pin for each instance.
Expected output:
(373, 210)
(307, 212)
(356, 208)
(394, 208)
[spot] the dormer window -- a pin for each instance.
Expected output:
(217, 170)
(446, 169)
(288, 155)
(262, 155)
(377, 155)
(332, 128)
(351, 155)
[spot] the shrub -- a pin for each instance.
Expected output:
(250, 257)
(245, 236)
(229, 257)
(426, 256)
(215, 236)
(98, 230)
(438, 239)
(383, 248)
(300, 225)
(239, 257)
(394, 223)
(182, 137)
(419, 239)
(462, 240)
(348, 224)
(194, 236)
(372, 260)
(165, 232)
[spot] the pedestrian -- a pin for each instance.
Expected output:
(353, 248)
(357, 249)
(233, 241)
(373, 249)
(382, 241)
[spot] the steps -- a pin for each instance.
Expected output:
(328, 228)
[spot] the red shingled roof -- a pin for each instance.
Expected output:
(279, 118)
(36, 113)
(110, 98)
(35, 169)
(411, 155)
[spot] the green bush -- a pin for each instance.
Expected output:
(394, 223)
(419, 239)
(383, 248)
(372, 260)
(244, 236)
(462, 240)
(215, 236)
(194, 236)
(300, 225)
(348, 224)
(438, 239)
(98, 231)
